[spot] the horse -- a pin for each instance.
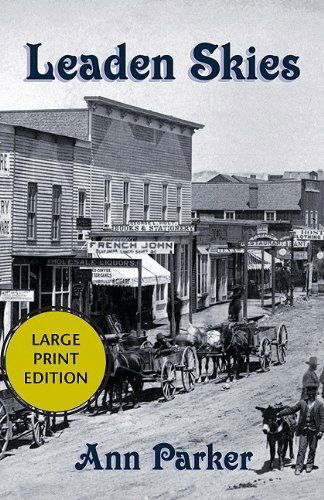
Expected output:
(205, 340)
(278, 430)
(235, 342)
(124, 370)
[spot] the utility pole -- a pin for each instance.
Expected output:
(292, 268)
(273, 280)
(245, 271)
(262, 277)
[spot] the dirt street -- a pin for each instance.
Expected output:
(209, 414)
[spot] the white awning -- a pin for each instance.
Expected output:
(255, 259)
(152, 273)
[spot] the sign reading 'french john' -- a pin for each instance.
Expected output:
(101, 248)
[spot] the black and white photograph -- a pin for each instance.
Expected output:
(162, 190)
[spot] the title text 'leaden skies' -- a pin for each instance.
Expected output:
(207, 66)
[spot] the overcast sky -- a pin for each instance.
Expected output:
(256, 127)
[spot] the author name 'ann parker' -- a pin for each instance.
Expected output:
(163, 453)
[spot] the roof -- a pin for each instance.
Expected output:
(67, 122)
(271, 196)
(145, 112)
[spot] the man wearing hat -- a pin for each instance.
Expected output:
(310, 426)
(161, 342)
(310, 376)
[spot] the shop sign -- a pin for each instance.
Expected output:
(17, 295)
(267, 243)
(4, 164)
(153, 226)
(109, 278)
(92, 263)
(5, 217)
(309, 234)
(102, 248)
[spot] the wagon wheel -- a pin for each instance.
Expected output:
(38, 425)
(189, 368)
(168, 380)
(265, 355)
(4, 429)
(146, 344)
(282, 343)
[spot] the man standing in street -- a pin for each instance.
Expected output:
(177, 312)
(310, 427)
(310, 376)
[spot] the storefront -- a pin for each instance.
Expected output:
(165, 251)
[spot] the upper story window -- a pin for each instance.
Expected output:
(126, 202)
(179, 204)
(82, 202)
(107, 203)
(56, 213)
(306, 217)
(146, 201)
(270, 216)
(31, 210)
(229, 215)
(164, 202)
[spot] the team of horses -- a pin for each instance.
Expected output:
(228, 341)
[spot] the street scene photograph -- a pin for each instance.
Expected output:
(161, 249)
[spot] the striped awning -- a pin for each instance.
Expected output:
(152, 273)
(255, 260)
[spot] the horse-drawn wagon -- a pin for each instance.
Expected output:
(164, 365)
(16, 422)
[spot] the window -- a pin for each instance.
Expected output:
(184, 271)
(306, 217)
(229, 215)
(202, 268)
(82, 202)
(270, 216)
(160, 292)
(20, 281)
(311, 222)
(146, 201)
(56, 213)
(61, 289)
(316, 219)
(126, 203)
(179, 204)
(107, 203)
(31, 211)
(164, 202)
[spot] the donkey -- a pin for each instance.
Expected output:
(278, 430)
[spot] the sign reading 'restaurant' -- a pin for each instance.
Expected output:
(101, 248)
(153, 226)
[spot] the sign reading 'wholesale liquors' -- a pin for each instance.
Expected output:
(5, 218)
(102, 248)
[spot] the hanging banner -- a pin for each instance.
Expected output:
(103, 248)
